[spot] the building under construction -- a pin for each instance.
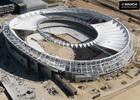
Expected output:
(20, 6)
(106, 44)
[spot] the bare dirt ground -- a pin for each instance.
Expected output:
(67, 52)
(57, 50)
(130, 94)
(114, 4)
(116, 90)
(3, 96)
(68, 38)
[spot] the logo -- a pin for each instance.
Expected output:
(129, 5)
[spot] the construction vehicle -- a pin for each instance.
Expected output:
(52, 90)
(137, 73)
(98, 95)
(104, 87)
(123, 82)
(119, 73)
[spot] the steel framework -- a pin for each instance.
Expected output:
(111, 34)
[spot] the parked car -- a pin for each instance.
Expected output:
(98, 95)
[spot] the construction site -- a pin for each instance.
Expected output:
(26, 77)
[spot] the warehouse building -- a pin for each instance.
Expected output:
(32, 4)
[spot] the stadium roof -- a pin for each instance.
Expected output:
(111, 34)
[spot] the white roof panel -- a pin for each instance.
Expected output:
(109, 35)
(28, 23)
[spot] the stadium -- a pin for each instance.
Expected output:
(76, 43)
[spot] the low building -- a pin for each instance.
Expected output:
(32, 4)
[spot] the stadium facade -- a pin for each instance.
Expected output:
(106, 32)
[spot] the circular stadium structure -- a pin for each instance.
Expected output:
(98, 44)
